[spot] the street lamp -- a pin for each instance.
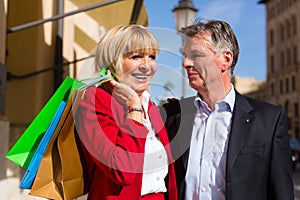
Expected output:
(184, 15)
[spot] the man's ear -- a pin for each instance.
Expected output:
(228, 58)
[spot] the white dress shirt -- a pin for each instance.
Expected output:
(156, 159)
(205, 177)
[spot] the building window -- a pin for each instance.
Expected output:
(289, 57)
(279, 7)
(282, 59)
(293, 83)
(294, 25)
(271, 13)
(295, 55)
(282, 32)
(286, 107)
(296, 110)
(272, 61)
(287, 85)
(281, 87)
(271, 38)
(288, 29)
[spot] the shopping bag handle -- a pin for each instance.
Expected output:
(95, 81)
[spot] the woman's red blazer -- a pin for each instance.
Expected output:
(113, 147)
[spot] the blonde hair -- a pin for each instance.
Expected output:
(120, 41)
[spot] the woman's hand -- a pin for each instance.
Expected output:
(127, 96)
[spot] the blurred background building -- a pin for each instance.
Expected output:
(283, 52)
(250, 87)
(283, 67)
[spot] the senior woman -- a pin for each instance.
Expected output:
(122, 136)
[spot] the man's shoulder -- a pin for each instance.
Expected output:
(259, 104)
(178, 105)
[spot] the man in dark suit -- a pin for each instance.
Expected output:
(225, 145)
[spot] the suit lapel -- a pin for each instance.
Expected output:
(185, 149)
(240, 128)
(185, 129)
(182, 139)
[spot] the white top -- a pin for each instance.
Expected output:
(156, 158)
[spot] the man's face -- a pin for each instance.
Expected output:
(203, 66)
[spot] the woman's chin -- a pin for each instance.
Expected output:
(140, 89)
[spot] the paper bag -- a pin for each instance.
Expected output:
(60, 175)
(23, 150)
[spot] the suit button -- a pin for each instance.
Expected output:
(203, 189)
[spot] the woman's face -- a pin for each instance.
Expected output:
(138, 70)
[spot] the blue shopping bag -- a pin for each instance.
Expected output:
(34, 164)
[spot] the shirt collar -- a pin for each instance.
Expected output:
(201, 106)
(229, 101)
(145, 100)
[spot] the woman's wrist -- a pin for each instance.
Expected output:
(135, 113)
(136, 109)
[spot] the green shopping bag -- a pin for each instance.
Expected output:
(23, 150)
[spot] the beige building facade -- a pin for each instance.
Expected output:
(283, 53)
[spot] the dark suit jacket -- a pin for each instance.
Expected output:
(259, 165)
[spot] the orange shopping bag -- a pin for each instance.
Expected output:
(60, 175)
